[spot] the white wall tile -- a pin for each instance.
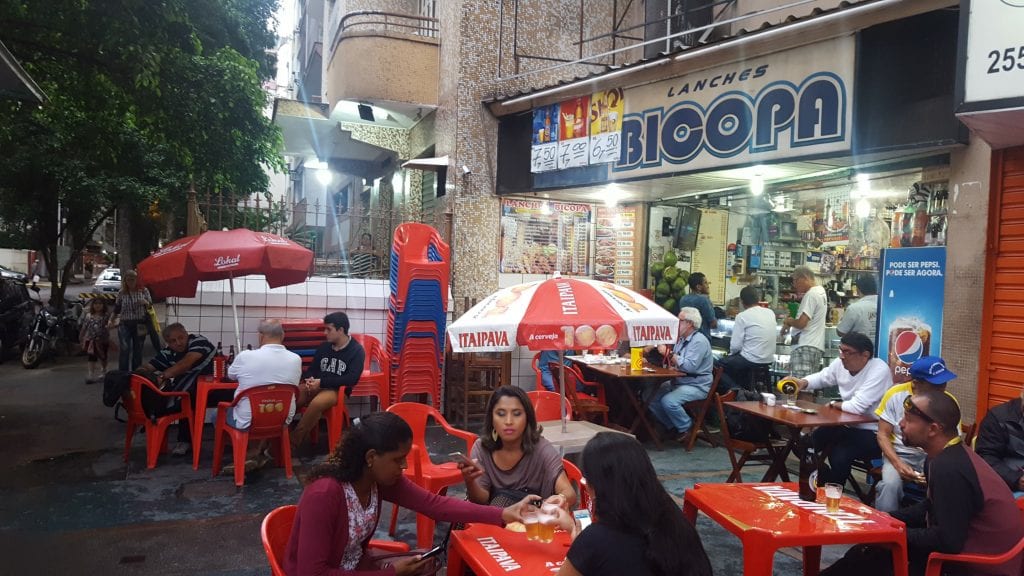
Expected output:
(297, 301)
(337, 301)
(356, 302)
(275, 299)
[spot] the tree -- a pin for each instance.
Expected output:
(146, 98)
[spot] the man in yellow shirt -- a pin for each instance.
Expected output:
(904, 463)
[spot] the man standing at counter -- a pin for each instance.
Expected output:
(698, 298)
(862, 315)
(753, 341)
(809, 324)
(862, 380)
(692, 356)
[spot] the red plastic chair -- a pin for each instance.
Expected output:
(548, 405)
(583, 405)
(269, 405)
(156, 432)
(936, 559)
(576, 477)
(435, 478)
(277, 529)
(337, 421)
(374, 382)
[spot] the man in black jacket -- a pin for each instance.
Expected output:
(1001, 442)
(337, 363)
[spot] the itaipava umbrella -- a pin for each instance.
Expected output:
(562, 314)
(177, 268)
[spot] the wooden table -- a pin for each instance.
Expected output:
(625, 376)
(492, 551)
(204, 385)
(576, 435)
(795, 421)
(766, 517)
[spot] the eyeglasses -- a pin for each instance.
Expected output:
(910, 408)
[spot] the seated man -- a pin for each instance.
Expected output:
(270, 363)
(753, 341)
(178, 365)
(1001, 442)
(968, 510)
(862, 380)
(692, 356)
(337, 363)
(904, 463)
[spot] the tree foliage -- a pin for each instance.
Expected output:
(145, 100)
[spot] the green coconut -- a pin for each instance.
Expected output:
(656, 269)
(671, 305)
(670, 258)
(671, 273)
(663, 289)
(684, 276)
(679, 286)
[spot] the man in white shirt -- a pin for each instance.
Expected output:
(809, 324)
(752, 343)
(271, 363)
(862, 315)
(862, 380)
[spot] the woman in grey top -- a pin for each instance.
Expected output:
(511, 457)
(131, 310)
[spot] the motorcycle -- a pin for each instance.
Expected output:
(51, 328)
(16, 313)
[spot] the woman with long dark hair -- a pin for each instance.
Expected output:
(637, 528)
(512, 459)
(340, 506)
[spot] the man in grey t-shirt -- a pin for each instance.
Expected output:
(862, 315)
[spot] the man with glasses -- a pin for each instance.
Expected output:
(904, 463)
(1001, 442)
(692, 356)
(968, 510)
(862, 380)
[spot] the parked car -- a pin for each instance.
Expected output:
(109, 280)
(16, 312)
(6, 272)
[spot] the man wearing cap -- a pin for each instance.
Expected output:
(904, 463)
(1001, 442)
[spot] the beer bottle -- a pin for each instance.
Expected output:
(231, 354)
(808, 469)
(218, 363)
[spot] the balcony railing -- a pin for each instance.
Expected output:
(378, 21)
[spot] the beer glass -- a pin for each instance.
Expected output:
(531, 519)
(548, 516)
(833, 493)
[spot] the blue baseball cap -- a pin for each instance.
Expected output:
(931, 369)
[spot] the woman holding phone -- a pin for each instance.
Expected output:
(340, 506)
(512, 459)
(636, 527)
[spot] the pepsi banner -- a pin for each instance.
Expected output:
(910, 299)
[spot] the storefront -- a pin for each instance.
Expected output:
(821, 155)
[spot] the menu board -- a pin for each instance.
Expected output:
(710, 255)
(618, 247)
(542, 237)
(606, 110)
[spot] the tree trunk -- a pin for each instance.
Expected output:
(124, 238)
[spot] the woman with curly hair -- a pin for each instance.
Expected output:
(340, 506)
(637, 528)
(511, 458)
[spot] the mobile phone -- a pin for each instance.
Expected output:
(436, 550)
(460, 457)
(583, 517)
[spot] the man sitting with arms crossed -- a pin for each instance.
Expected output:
(179, 365)
(968, 509)
(904, 463)
(270, 363)
(862, 380)
(1001, 442)
(337, 363)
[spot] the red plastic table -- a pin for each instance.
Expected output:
(766, 517)
(493, 550)
(203, 387)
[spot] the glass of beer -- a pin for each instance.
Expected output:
(548, 517)
(833, 493)
(531, 519)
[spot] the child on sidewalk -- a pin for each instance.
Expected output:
(95, 339)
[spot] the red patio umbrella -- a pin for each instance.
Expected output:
(177, 268)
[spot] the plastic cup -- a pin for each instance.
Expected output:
(548, 516)
(531, 519)
(833, 493)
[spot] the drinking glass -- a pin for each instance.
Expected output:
(833, 493)
(531, 519)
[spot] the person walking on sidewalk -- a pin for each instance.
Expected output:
(131, 313)
(337, 364)
(95, 338)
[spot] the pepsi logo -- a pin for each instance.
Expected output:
(908, 347)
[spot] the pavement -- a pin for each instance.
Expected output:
(70, 505)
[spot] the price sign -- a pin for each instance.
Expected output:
(604, 148)
(572, 153)
(543, 157)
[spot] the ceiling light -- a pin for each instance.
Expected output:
(757, 184)
(545, 208)
(863, 208)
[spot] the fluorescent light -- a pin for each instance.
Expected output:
(863, 208)
(545, 208)
(757, 184)
(324, 176)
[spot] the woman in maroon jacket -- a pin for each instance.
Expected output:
(340, 506)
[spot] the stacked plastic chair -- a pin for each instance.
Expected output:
(417, 311)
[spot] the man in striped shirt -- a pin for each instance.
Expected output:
(179, 365)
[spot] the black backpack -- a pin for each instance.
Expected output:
(743, 426)
(117, 383)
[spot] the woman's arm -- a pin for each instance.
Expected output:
(407, 494)
(474, 491)
(568, 569)
(563, 488)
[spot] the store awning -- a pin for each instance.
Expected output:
(428, 164)
(15, 83)
(310, 132)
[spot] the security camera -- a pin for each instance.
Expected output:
(466, 170)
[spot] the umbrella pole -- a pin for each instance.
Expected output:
(561, 381)
(234, 312)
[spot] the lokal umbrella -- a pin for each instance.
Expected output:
(177, 268)
(562, 314)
